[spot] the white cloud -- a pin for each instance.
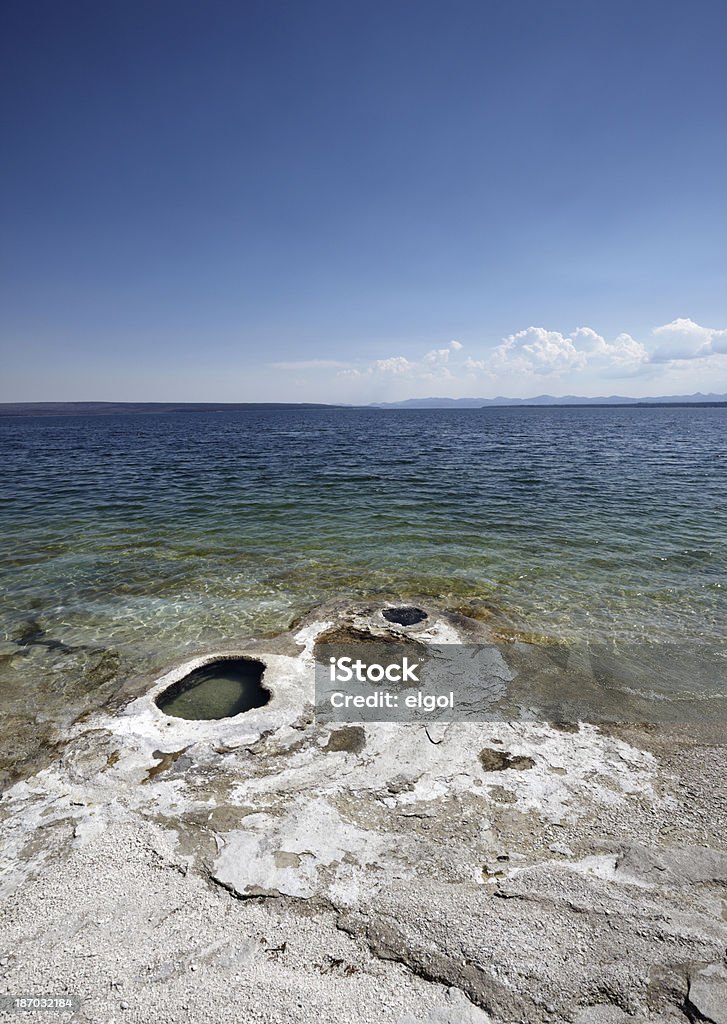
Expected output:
(537, 350)
(431, 366)
(397, 364)
(437, 355)
(625, 350)
(680, 356)
(441, 355)
(684, 339)
(482, 365)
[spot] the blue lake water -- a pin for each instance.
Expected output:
(154, 534)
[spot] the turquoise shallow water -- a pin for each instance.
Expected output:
(579, 520)
(147, 535)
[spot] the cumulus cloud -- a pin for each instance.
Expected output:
(482, 365)
(520, 359)
(685, 339)
(432, 365)
(437, 355)
(397, 364)
(441, 355)
(543, 352)
(537, 350)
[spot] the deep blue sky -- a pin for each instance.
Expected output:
(195, 193)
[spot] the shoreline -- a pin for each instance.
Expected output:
(554, 677)
(164, 870)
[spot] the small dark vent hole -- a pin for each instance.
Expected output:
(404, 616)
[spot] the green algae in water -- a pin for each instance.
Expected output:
(221, 689)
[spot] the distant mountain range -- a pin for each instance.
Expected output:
(480, 403)
(125, 408)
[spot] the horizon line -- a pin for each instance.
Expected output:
(538, 401)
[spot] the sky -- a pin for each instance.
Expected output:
(362, 201)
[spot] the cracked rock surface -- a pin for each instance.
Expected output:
(272, 868)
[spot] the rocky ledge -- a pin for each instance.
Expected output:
(269, 867)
